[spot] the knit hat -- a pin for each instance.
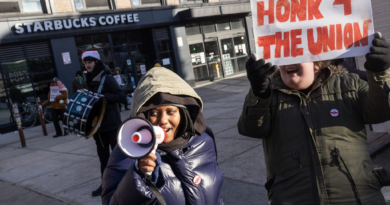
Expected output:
(78, 73)
(117, 68)
(93, 53)
(55, 79)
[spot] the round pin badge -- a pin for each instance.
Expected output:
(197, 180)
(334, 113)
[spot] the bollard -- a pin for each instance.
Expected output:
(41, 117)
(19, 124)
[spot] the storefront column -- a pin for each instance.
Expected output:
(66, 71)
(249, 31)
(182, 54)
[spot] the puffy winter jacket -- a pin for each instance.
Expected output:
(179, 170)
(123, 184)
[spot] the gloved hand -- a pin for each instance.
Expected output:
(379, 57)
(259, 73)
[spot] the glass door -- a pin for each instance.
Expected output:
(213, 59)
(140, 67)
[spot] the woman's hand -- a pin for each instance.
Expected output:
(147, 164)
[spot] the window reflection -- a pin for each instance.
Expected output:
(240, 45)
(15, 69)
(197, 54)
(38, 65)
(100, 41)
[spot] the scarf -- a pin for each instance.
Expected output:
(80, 80)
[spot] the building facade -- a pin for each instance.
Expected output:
(42, 39)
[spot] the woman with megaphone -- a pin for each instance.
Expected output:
(184, 167)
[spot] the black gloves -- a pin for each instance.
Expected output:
(379, 57)
(259, 73)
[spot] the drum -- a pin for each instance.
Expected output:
(84, 113)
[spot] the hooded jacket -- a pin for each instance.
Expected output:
(111, 91)
(315, 144)
(123, 183)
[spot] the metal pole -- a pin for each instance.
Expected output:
(41, 117)
(19, 124)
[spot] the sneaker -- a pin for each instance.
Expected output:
(98, 191)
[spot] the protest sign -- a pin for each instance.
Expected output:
(54, 92)
(118, 79)
(297, 31)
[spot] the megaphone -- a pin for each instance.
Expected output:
(137, 137)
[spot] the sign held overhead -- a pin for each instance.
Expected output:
(297, 31)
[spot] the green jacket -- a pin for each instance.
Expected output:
(311, 155)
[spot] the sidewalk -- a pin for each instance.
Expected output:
(65, 170)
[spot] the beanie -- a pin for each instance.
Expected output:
(78, 73)
(92, 53)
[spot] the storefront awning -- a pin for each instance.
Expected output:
(202, 12)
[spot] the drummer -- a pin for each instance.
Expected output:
(106, 135)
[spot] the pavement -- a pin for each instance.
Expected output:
(65, 170)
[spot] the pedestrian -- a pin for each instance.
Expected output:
(58, 100)
(78, 83)
(184, 167)
(123, 86)
(98, 74)
(311, 117)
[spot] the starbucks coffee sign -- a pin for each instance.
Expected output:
(75, 23)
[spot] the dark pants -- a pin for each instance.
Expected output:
(103, 142)
(124, 102)
(57, 115)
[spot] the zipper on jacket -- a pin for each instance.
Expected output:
(315, 158)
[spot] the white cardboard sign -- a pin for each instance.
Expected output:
(118, 79)
(54, 92)
(297, 31)
(66, 58)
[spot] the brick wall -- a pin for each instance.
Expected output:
(63, 6)
(123, 4)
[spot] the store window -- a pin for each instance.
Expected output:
(223, 25)
(236, 23)
(146, 2)
(126, 51)
(192, 29)
(31, 6)
(225, 55)
(26, 72)
(208, 27)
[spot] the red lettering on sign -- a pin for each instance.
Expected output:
(296, 41)
(348, 35)
(328, 39)
(359, 39)
(313, 9)
(347, 6)
(266, 42)
(279, 5)
(261, 12)
(282, 42)
(298, 9)
(315, 48)
(339, 38)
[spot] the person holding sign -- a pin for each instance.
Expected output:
(58, 99)
(122, 81)
(105, 137)
(311, 117)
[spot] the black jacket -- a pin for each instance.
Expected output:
(111, 91)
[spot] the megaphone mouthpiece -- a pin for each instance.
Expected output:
(142, 137)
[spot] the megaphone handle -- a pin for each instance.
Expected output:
(154, 152)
